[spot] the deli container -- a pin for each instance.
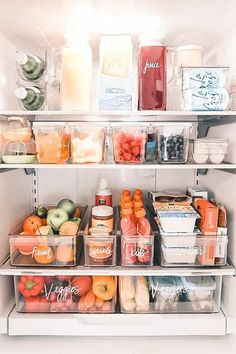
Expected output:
(87, 143)
(99, 243)
(45, 248)
(129, 144)
(52, 142)
(170, 294)
(65, 293)
(209, 150)
(180, 219)
(173, 142)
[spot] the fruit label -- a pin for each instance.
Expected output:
(61, 293)
(47, 252)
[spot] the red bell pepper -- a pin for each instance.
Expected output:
(30, 285)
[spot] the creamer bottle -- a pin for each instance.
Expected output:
(76, 76)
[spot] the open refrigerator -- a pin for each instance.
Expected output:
(38, 27)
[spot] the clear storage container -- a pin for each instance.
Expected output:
(100, 244)
(65, 293)
(170, 294)
(17, 129)
(19, 152)
(193, 250)
(129, 144)
(44, 248)
(137, 250)
(173, 142)
(209, 150)
(87, 143)
(52, 142)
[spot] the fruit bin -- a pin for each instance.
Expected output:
(80, 294)
(100, 249)
(46, 249)
(170, 294)
(190, 250)
(129, 143)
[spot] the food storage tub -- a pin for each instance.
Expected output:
(52, 142)
(173, 142)
(209, 150)
(181, 219)
(45, 248)
(99, 244)
(65, 293)
(129, 144)
(204, 77)
(17, 129)
(87, 143)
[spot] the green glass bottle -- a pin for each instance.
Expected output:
(31, 67)
(32, 98)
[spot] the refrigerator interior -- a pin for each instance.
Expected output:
(43, 25)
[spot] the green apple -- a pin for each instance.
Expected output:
(68, 206)
(41, 212)
(56, 218)
(76, 221)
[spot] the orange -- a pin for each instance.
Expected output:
(64, 254)
(43, 254)
(32, 224)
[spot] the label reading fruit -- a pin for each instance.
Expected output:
(45, 252)
(61, 293)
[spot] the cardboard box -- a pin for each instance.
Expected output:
(208, 224)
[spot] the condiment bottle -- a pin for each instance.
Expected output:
(104, 195)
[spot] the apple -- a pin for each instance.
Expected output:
(56, 218)
(41, 212)
(68, 206)
(76, 221)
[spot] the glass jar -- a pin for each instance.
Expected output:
(102, 217)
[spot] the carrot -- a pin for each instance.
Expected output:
(81, 304)
(99, 302)
(106, 306)
(89, 299)
(93, 309)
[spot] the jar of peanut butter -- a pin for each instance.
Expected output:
(102, 216)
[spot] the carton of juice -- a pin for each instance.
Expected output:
(115, 73)
(208, 223)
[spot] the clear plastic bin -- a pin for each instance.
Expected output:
(169, 294)
(173, 142)
(137, 250)
(99, 245)
(193, 250)
(46, 249)
(87, 143)
(19, 152)
(17, 129)
(209, 150)
(52, 142)
(65, 293)
(129, 144)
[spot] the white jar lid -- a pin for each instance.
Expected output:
(151, 39)
(189, 47)
(102, 210)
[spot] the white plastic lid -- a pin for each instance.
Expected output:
(203, 283)
(21, 58)
(189, 47)
(102, 210)
(151, 39)
(21, 93)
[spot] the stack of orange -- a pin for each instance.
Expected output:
(129, 205)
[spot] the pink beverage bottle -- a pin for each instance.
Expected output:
(152, 74)
(144, 230)
(128, 228)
